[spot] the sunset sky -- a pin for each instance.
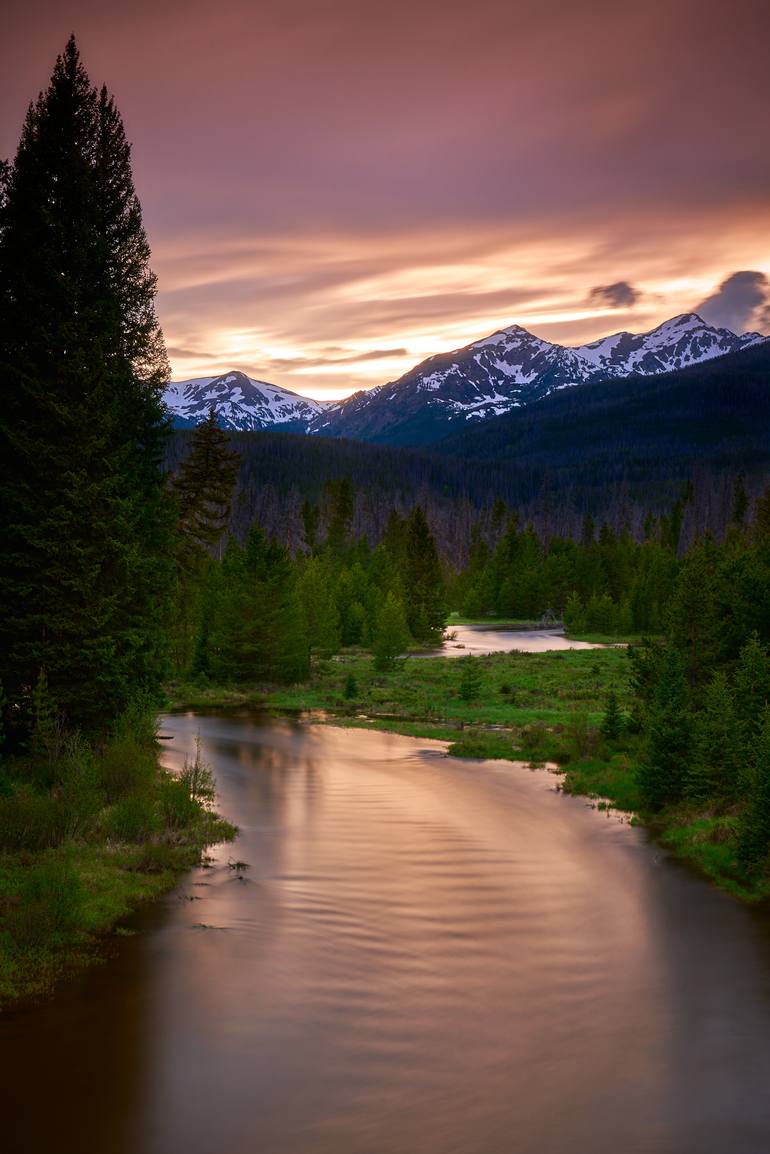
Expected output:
(335, 189)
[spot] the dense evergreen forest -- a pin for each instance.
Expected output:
(460, 496)
(646, 435)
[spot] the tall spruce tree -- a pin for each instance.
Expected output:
(203, 489)
(86, 567)
(664, 764)
(391, 633)
(426, 607)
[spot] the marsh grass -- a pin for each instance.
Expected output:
(85, 838)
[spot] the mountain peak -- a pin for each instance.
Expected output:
(240, 401)
(682, 322)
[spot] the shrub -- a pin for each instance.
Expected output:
(581, 738)
(77, 792)
(179, 809)
(127, 766)
(198, 777)
(134, 819)
(29, 820)
(50, 903)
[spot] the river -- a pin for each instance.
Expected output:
(424, 956)
(482, 639)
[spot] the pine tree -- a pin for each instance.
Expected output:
(391, 633)
(612, 722)
(714, 770)
(316, 593)
(754, 837)
(470, 679)
(426, 608)
(574, 614)
(341, 506)
(665, 758)
(203, 489)
(86, 570)
(752, 697)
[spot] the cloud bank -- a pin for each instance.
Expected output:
(741, 302)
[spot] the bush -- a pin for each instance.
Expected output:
(198, 777)
(581, 738)
(156, 857)
(127, 766)
(134, 819)
(29, 820)
(77, 792)
(179, 809)
(50, 903)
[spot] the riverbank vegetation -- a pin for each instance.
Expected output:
(87, 833)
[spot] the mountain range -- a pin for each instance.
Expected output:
(499, 374)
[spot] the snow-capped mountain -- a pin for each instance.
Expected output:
(512, 368)
(240, 403)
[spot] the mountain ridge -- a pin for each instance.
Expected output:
(507, 370)
(512, 368)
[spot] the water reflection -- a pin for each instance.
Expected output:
(482, 639)
(424, 955)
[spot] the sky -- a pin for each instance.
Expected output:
(335, 189)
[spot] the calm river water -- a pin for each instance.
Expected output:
(425, 956)
(480, 639)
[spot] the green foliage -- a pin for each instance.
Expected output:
(202, 488)
(612, 722)
(580, 735)
(49, 903)
(46, 730)
(351, 687)
(134, 819)
(391, 633)
(663, 766)
(86, 557)
(426, 607)
(754, 837)
(198, 777)
(715, 767)
(470, 679)
(29, 820)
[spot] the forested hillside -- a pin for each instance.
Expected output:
(645, 435)
(616, 452)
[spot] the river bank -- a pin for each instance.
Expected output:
(533, 706)
(86, 840)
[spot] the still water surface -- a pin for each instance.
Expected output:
(425, 955)
(481, 639)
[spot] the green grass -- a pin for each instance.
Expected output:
(62, 892)
(542, 687)
(707, 840)
(502, 622)
(609, 778)
(606, 638)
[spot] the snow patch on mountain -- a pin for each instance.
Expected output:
(512, 368)
(240, 402)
